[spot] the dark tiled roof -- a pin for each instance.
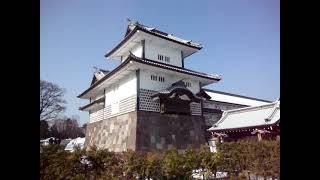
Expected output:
(92, 103)
(175, 87)
(176, 68)
(203, 94)
(153, 30)
(133, 27)
(131, 57)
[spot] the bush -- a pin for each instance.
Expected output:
(238, 159)
(260, 158)
(153, 165)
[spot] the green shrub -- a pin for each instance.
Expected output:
(153, 165)
(260, 158)
(239, 159)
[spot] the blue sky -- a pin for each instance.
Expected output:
(241, 41)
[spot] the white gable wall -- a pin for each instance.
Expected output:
(147, 83)
(121, 90)
(137, 50)
(152, 50)
(119, 99)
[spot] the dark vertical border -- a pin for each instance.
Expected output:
(182, 59)
(138, 89)
(20, 135)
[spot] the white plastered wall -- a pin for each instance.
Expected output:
(152, 50)
(147, 83)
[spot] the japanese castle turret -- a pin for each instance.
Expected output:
(151, 101)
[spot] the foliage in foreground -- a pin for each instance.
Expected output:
(237, 158)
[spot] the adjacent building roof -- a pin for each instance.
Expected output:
(234, 98)
(256, 116)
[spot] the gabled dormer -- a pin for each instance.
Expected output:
(98, 74)
(150, 43)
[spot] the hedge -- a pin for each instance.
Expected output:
(238, 159)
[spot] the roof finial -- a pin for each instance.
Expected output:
(131, 22)
(95, 69)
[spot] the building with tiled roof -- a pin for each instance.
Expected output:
(151, 101)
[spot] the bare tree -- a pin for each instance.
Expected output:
(51, 102)
(66, 128)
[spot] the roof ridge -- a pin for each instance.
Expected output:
(236, 95)
(246, 109)
(251, 108)
(150, 62)
(177, 67)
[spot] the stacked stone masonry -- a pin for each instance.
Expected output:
(115, 133)
(159, 132)
(146, 131)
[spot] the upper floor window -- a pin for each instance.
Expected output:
(167, 59)
(161, 79)
(154, 78)
(160, 57)
(188, 84)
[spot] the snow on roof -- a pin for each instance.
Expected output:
(176, 68)
(100, 73)
(234, 98)
(132, 25)
(131, 58)
(249, 117)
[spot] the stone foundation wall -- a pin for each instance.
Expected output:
(116, 133)
(161, 132)
(146, 131)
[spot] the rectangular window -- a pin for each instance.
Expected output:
(154, 78)
(160, 57)
(188, 84)
(167, 59)
(161, 79)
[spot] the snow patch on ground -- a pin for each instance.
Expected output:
(74, 143)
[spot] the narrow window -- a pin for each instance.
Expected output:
(188, 84)
(154, 78)
(160, 57)
(161, 79)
